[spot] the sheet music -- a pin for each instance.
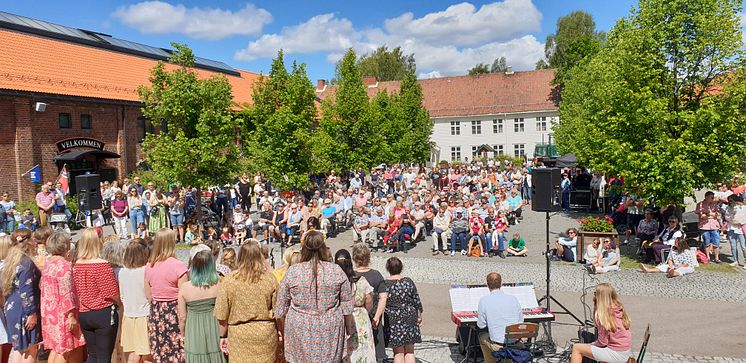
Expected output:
(466, 299)
(525, 295)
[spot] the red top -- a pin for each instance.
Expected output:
(96, 285)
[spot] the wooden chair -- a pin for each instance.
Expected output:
(520, 336)
(643, 349)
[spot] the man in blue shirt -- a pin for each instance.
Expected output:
(495, 312)
(327, 217)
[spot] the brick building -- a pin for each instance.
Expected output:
(69, 97)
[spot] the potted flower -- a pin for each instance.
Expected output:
(595, 227)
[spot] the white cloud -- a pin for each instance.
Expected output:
(447, 42)
(428, 75)
(463, 24)
(158, 17)
(322, 33)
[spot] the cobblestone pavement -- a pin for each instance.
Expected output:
(570, 278)
(443, 350)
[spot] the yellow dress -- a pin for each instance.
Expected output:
(248, 309)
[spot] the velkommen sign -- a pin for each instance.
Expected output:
(79, 142)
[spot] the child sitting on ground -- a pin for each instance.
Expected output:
(226, 237)
(517, 246)
(192, 237)
(211, 234)
(241, 224)
(142, 231)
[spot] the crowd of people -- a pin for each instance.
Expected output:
(133, 300)
(128, 296)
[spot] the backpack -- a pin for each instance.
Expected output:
(702, 257)
(476, 251)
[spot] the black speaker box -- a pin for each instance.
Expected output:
(546, 189)
(89, 192)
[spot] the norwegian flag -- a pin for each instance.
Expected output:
(64, 180)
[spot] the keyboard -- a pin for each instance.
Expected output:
(536, 315)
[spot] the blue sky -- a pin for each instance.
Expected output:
(447, 37)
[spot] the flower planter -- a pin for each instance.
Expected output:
(585, 238)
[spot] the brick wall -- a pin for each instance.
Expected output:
(28, 137)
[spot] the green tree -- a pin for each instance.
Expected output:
(480, 68)
(499, 65)
(542, 64)
(281, 116)
(662, 104)
(199, 146)
(387, 65)
(347, 137)
(574, 39)
(414, 145)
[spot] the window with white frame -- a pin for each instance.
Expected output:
(476, 127)
(497, 126)
(455, 153)
(455, 127)
(474, 151)
(541, 123)
(519, 125)
(519, 149)
(499, 149)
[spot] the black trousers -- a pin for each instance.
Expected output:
(246, 202)
(100, 331)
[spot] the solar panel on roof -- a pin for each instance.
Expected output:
(213, 63)
(134, 46)
(45, 26)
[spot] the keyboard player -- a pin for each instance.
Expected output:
(495, 312)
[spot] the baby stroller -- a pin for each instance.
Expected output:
(58, 222)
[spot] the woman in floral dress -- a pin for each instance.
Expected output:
(360, 346)
(321, 299)
(20, 286)
(59, 318)
(163, 275)
(403, 313)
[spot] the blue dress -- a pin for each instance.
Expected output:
(23, 301)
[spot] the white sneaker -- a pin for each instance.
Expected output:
(454, 253)
(463, 252)
(733, 264)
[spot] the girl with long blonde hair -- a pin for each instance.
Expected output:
(164, 273)
(613, 325)
(20, 285)
(244, 308)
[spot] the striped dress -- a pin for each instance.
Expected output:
(314, 322)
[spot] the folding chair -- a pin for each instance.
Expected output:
(521, 336)
(643, 349)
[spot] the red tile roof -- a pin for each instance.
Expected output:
(477, 95)
(37, 64)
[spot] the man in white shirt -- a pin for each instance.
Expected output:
(495, 312)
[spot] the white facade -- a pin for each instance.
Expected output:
(456, 137)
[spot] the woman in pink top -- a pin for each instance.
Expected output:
(163, 276)
(613, 324)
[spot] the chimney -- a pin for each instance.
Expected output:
(509, 70)
(370, 81)
(320, 84)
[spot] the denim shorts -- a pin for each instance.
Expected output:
(711, 237)
(177, 219)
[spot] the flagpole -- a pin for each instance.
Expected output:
(28, 171)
